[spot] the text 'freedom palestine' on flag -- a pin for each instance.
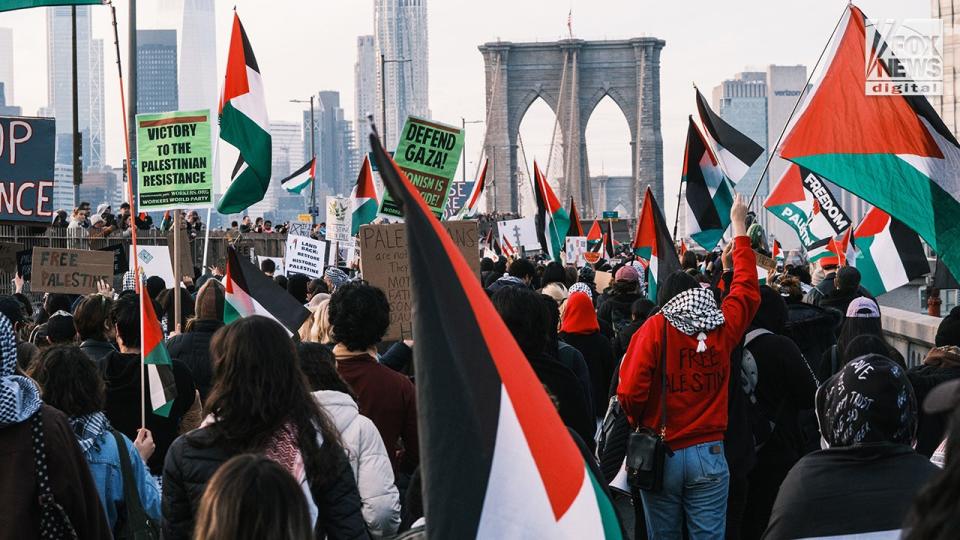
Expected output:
(653, 244)
(552, 220)
(889, 254)
(893, 151)
(497, 460)
(248, 291)
(709, 192)
(244, 127)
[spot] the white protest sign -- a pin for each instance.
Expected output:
(298, 228)
(520, 232)
(280, 271)
(576, 247)
(154, 261)
(339, 219)
(306, 256)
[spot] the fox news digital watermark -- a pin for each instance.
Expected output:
(904, 57)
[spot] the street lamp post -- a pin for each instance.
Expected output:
(383, 92)
(313, 155)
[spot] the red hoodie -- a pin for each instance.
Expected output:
(696, 382)
(579, 316)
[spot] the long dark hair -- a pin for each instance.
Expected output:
(258, 388)
(69, 381)
(936, 509)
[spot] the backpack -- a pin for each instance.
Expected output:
(761, 424)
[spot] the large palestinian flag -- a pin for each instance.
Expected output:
(709, 191)
(735, 151)
(364, 198)
(497, 461)
(576, 229)
(804, 201)
(889, 254)
(250, 292)
(891, 150)
(654, 244)
(469, 209)
(552, 220)
(244, 127)
(160, 380)
(300, 178)
(10, 5)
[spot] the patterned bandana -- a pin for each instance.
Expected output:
(694, 311)
(89, 429)
(19, 396)
(284, 449)
(129, 281)
(336, 276)
(581, 287)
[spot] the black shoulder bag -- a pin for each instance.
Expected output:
(54, 521)
(136, 524)
(647, 449)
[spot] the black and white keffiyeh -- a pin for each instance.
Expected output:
(694, 312)
(19, 396)
(90, 429)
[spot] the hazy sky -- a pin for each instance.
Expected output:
(308, 45)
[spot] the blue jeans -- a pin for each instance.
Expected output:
(695, 484)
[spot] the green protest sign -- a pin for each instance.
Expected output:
(428, 153)
(175, 168)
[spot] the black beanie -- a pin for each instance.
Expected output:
(772, 313)
(948, 333)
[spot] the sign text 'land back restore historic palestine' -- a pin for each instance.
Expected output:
(175, 168)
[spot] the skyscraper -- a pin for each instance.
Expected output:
(365, 87)
(198, 56)
(784, 85)
(400, 39)
(286, 139)
(7, 110)
(6, 62)
(97, 145)
(336, 153)
(157, 71)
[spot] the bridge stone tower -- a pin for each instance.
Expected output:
(572, 76)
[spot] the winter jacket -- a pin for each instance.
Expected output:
(104, 461)
(942, 364)
(581, 330)
(562, 384)
(70, 480)
(193, 349)
(194, 458)
(368, 457)
(97, 350)
(571, 358)
(506, 281)
(389, 399)
(124, 398)
(615, 310)
(849, 490)
(697, 392)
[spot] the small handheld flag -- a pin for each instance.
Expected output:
(300, 178)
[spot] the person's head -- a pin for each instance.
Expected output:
(847, 280)
(772, 313)
(297, 287)
(552, 273)
(268, 267)
(61, 329)
(252, 497)
(359, 315)
(864, 345)
(125, 319)
(579, 316)
(525, 316)
(13, 310)
(334, 278)
(315, 287)
(258, 222)
(689, 261)
(948, 333)
(234, 224)
(267, 225)
(317, 329)
(55, 302)
(320, 367)
(522, 269)
(124, 208)
(870, 400)
(675, 284)
(587, 275)
(486, 264)
(167, 300)
(208, 304)
(92, 316)
(640, 309)
(862, 318)
(245, 220)
(627, 280)
(570, 275)
(27, 355)
(155, 286)
(69, 381)
(557, 291)
(790, 289)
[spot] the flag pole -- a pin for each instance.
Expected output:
(676, 220)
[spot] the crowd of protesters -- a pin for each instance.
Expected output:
(785, 411)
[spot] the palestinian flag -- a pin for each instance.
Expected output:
(161, 384)
(653, 244)
(364, 198)
(803, 200)
(10, 5)
(709, 191)
(552, 220)
(778, 253)
(609, 244)
(301, 178)
(594, 244)
(250, 292)
(576, 229)
(507, 467)
(893, 151)
(735, 151)
(473, 201)
(507, 248)
(889, 254)
(838, 250)
(244, 127)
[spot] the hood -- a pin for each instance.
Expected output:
(341, 407)
(121, 372)
(19, 395)
(579, 316)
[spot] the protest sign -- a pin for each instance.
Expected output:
(428, 153)
(520, 233)
(339, 219)
(155, 261)
(383, 257)
(70, 271)
(763, 261)
(306, 256)
(25, 263)
(120, 265)
(8, 255)
(298, 228)
(278, 261)
(174, 164)
(27, 151)
(602, 280)
(576, 248)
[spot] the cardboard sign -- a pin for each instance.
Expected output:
(765, 262)
(307, 256)
(520, 232)
(8, 255)
(602, 280)
(428, 153)
(383, 257)
(174, 164)
(25, 263)
(155, 261)
(120, 265)
(27, 151)
(576, 250)
(339, 219)
(70, 271)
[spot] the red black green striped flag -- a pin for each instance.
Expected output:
(250, 292)
(160, 381)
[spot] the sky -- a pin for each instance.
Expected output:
(303, 46)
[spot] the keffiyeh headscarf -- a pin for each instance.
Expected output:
(694, 312)
(336, 276)
(89, 429)
(19, 396)
(581, 287)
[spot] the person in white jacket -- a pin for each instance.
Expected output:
(361, 440)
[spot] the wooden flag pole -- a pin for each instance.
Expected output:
(177, 270)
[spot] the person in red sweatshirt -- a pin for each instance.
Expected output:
(699, 337)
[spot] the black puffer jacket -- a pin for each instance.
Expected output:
(97, 350)
(941, 365)
(193, 349)
(191, 462)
